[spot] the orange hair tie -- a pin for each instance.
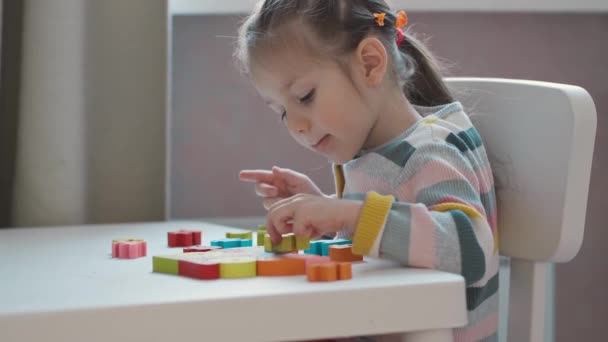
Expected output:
(380, 18)
(401, 20)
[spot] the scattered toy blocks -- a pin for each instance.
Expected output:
(129, 248)
(260, 235)
(345, 270)
(308, 258)
(184, 238)
(322, 272)
(314, 248)
(343, 253)
(238, 267)
(326, 243)
(227, 259)
(201, 249)
(302, 243)
(244, 235)
(321, 247)
(168, 264)
(199, 269)
(246, 243)
(208, 265)
(328, 271)
(281, 267)
(286, 245)
(289, 243)
(232, 243)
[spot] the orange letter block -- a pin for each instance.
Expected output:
(281, 267)
(343, 253)
(329, 271)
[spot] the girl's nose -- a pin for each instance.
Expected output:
(300, 124)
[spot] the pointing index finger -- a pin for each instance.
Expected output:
(263, 176)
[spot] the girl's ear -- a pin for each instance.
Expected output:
(371, 60)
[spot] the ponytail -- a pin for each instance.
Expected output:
(424, 85)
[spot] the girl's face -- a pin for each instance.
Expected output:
(321, 106)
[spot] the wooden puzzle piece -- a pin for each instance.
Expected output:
(238, 267)
(328, 271)
(286, 245)
(345, 271)
(246, 243)
(308, 258)
(232, 243)
(302, 243)
(193, 249)
(289, 243)
(244, 235)
(250, 262)
(205, 269)
(343, 253)
(326, 243)
(128, 240)
(321, 247)
(184, 238)
(208, 265)
(281, 267)
(227, 243)
(232, 252)
(198, 264)
(168, 264)
(260, 235)
(129, 248)
(314, 248)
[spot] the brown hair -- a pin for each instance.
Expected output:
(338, 26)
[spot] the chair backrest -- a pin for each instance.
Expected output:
(539, 138)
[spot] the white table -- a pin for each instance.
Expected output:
(61, 284)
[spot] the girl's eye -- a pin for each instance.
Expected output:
(283, 116)
(308, 97)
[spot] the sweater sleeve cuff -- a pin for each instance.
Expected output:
(371, 222)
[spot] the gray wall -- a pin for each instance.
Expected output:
(219, 125)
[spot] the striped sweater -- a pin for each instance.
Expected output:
(430, 203)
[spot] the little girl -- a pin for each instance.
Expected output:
(413, 182)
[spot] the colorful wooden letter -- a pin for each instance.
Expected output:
(238, 267)
(244, 236)
(193, 249)
(289, 243)
(281, 267)
(166, 264)
(343, 253)
(232, 243)
(129, 248)
(329, 271)
(199, 269)
(184, 238)
(326, 243)
(260, 235)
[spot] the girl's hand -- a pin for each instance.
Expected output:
(311, 216)
(278, 183)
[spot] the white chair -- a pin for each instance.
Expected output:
(539, 137)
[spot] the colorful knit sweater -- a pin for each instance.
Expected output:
(430, 203)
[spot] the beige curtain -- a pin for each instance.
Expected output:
(11, 15)
(91, 125)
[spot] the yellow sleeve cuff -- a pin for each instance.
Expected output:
(371, 221)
